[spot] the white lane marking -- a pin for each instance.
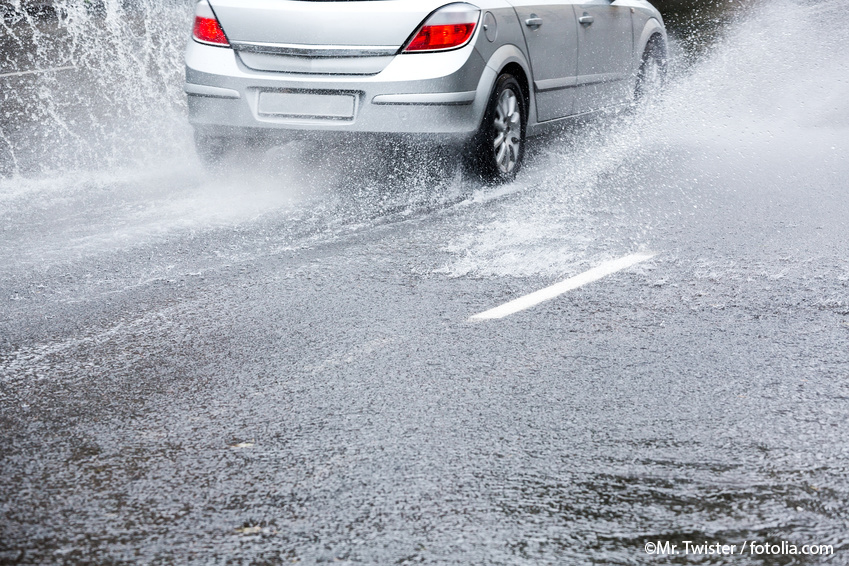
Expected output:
(557, 289)
(36, 71)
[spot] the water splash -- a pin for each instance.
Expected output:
(112, 133)
(89, 86)
(752, 107)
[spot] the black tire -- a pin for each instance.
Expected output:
(651, 76)
(213, 150)
(497, 151)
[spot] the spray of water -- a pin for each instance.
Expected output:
(92, 85)
(767, 102)
(99, 155)
(94, 114)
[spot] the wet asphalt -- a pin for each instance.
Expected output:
(215, 368)
(333, 402)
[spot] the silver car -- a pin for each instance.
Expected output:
(482, 75)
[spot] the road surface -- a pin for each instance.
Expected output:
(279, 362)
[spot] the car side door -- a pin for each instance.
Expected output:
(605, 54)
(551, 37)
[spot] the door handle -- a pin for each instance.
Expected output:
(533, 22)
(586, 19)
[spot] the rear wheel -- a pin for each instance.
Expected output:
(499, 147)
(652, 73)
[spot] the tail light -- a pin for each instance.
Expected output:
(207, 29)
(450, 27)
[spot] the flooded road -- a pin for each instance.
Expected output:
(275, 363)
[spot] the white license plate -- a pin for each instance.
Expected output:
(307, 105)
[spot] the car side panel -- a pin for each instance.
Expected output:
(553, 51)
(646, 22)
(605, 54)
(504, 46)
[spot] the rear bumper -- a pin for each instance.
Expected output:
(429, 95)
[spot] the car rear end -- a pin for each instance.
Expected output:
(283, 67)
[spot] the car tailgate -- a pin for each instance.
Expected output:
(336, 37)
(386, 23)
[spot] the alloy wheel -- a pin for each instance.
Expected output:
(507, 144)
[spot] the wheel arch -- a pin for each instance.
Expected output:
(517, 71)
(652, 29)
(506, 59)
